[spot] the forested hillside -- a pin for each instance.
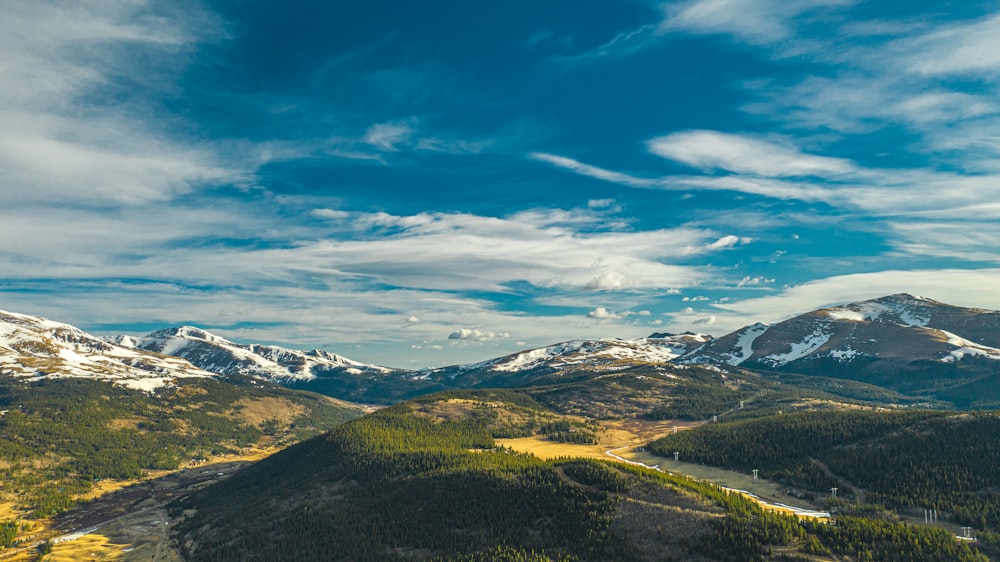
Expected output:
(424, 480)
(919, 459)
(59, 436)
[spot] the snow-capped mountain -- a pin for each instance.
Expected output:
(219, 355)
(36, 348)
(894, 327)
(901, 341)
(592, 356)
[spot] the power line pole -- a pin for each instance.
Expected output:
(833, 492)
(755, 474)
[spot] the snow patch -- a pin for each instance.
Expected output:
(811, 343)
(965, 347)
(847, 353)
(744, 345)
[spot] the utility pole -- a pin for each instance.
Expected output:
(741, 404)
(677, 456)
(833, 492)
(715, 418)
(967, 532)
(755, 474)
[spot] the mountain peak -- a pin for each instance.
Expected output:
(189, 332)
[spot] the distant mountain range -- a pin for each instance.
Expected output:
(912, 345)
(34, 348)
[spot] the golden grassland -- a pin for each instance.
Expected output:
(87, 547)
(256, 411)
(627, 435)
(93, 546)
(611, 435)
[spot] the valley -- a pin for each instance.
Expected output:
(106, 454)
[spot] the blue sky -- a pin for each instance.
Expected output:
(426, 183)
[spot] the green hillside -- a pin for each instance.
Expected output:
(905, 460)
(59, 436)
(424, 481)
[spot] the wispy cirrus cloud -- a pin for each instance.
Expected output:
(961, 49)
(714, 150)
(779, 170)
(63, 134)
(753, 21)
(963, 287)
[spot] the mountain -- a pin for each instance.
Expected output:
(268, 362)
(316, 370)
(34, 348)
(567, 361)
(910, 344)
(337, 376)
(76, 409)
(426, 480)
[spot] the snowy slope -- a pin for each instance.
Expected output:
(599, 356)
(219, 355)
(35, 348)
(899, 327)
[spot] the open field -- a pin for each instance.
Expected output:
(127, 514)
(624, 436)
(612, 434)
(766, 490)
(88, 547)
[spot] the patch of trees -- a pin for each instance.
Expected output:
(916, 459)
(81, 431)
(698, 401)
(396, 485)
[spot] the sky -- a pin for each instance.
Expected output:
(418, 184)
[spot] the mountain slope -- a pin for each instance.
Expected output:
(909, 344)
(567, 361)
(424, 480)
(34, 348)
(316, 370)
(268, 362)
(75, 409)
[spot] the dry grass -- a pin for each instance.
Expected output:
(123, 423)
(611, 435)
(764, 489)
(454, 409)
(259, 410)
(88, 547)
(633, 433)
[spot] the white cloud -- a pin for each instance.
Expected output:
(476, 335)
(699, 298)
(600, 203)
(593, 171)
(743, 154)
(55, 149)
(705, 321)
(385, 136)
(753, 21)
(728, 241)
(332, 214)
(749, 281)
(961, 287)
(967, 48)
(602, 313)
